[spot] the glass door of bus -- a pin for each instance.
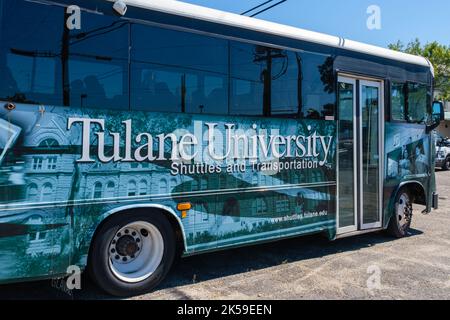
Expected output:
(360, 133)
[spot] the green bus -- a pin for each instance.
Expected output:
(134, 133)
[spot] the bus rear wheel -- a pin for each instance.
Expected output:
(402, 216)
(132, 254)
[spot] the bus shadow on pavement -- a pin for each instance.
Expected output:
(227, 263)
(197, 269)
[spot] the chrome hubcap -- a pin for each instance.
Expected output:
(136, 251)
(125, 245)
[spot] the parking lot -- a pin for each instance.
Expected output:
(365, 267)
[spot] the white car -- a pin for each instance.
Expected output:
(443, 153)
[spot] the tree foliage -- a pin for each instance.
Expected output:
(439, 55)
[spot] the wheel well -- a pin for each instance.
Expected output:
(417, 191)
(180, 245)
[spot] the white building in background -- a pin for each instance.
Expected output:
(444, 127)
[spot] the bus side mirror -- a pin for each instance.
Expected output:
(438, 111)
(438, 115)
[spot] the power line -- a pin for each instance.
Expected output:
(257, 7)
(268, 8)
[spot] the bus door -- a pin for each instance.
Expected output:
(360, 166)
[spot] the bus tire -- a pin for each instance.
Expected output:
(132, 253)
(446, 165)
(402, 216)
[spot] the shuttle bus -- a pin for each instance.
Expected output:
(132, 133)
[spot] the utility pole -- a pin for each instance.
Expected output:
(267, 55)
(264, 9)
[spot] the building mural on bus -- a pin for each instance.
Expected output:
(407, 152)
(52, 199)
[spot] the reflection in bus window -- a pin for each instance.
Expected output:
(275, 82)
(206, 94)
(178, 90)
(165, 47)
(286, 84)
(28, 74)
(178, 72)
(98, 63)
(398, 102)
(247, 83)
(80, 68)
(318, 97)
(417, 102)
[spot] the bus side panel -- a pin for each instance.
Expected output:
(64, 169)
(407, 150)
(35, 236)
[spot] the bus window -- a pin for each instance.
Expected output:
(286, 81)
(265, 81)
(178, 72)
(247, 84)
(30, 54)
(94, 58)
(206, 93)
(417, 102)
(280, 83)
(178, 90)
(398, 102)
(155, 88)
(318, 98)
(179, 49)
(98, 63)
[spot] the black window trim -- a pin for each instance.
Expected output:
(406, 85)
(428, 102)
(405, 97)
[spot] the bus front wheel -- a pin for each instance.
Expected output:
(132, 254)
(402, 216)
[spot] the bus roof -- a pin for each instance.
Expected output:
(212, 15)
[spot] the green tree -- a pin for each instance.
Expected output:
(439, 56)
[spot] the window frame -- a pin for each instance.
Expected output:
(405, 101)
(406, 85)
(427, 102)
(182, 69)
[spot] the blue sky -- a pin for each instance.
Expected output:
(402, 20)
